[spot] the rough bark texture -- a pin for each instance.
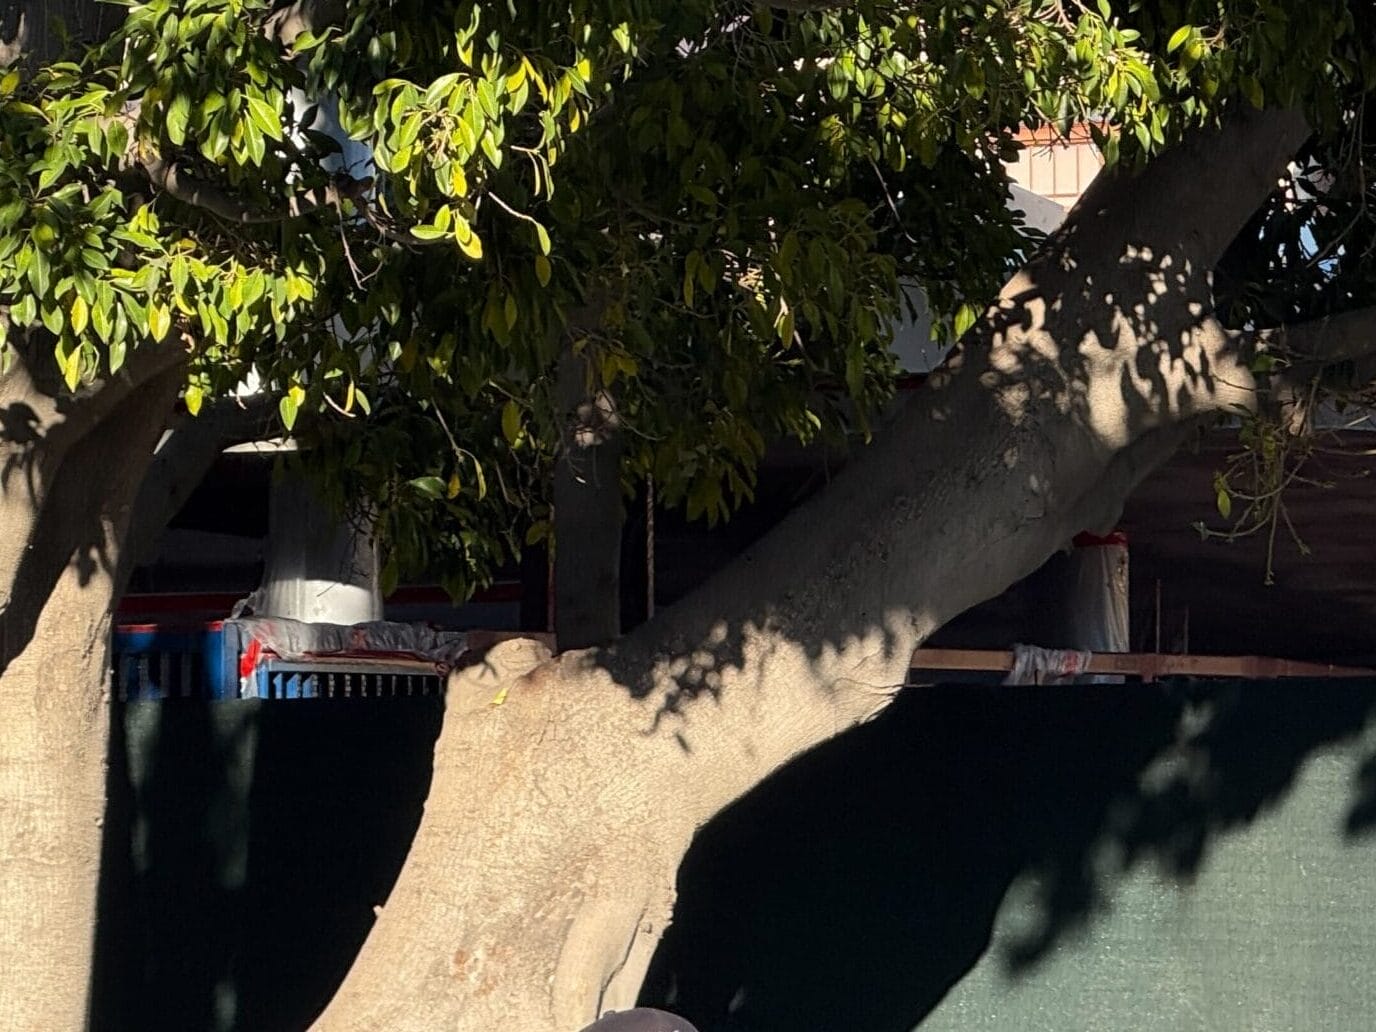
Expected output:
(542, 873)
(59, 585)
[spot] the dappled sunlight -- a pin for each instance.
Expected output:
(1066, 391)
(73, 525)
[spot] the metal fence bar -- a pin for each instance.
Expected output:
(155, 663)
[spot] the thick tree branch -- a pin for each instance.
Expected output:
(35, 408)
(81, 515)
(169, 178)
(587, 512)
(1323, 342)
(1097, 356)
(1187, 195)
(41, 427)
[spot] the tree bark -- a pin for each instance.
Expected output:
(54, 664)
(587, 514)
(563, 797)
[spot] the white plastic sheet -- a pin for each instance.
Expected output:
(296, 640)
(1035, 665)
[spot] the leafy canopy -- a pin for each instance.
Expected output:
(397, 219)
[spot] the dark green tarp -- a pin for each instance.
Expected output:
(1105, 858)
(977, 859)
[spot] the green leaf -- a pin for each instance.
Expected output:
(180, 272)
(472, 245)
(159, 322)
(1224, 502)
(308, 40)
(38, 274)
(286, 408)
(25, 310)
(511, 423)
(253, 144)
(265, 118)
(543, 271)
(410, 130)
(431, 487)
(70, 364)
(178, 113)
(491, 150)
(785, 328)
(487, 100)
(1178, 38)
(193, 398)
(100, 315)
(52, 318)
(439, 88)
(387, 579)
(542, 238)
(965, 318)
(77, 315)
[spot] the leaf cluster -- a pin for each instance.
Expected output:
(397, 222)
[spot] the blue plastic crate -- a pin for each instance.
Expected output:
(152, 661)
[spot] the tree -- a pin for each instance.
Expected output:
(581, 222)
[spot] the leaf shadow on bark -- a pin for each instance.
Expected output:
(1103, 373)
(80, 519)
(857, 886)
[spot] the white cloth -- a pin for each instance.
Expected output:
(1035, 665)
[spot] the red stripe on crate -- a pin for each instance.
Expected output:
(1085, 539)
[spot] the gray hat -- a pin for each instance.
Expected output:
(642, 1019)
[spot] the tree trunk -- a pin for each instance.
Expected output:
(563, 798)
(587, 514)
(67, 516)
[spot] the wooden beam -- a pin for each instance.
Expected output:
(1149, 666)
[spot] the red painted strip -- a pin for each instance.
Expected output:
(154, 628)
(223, 602)
(1087, 540)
